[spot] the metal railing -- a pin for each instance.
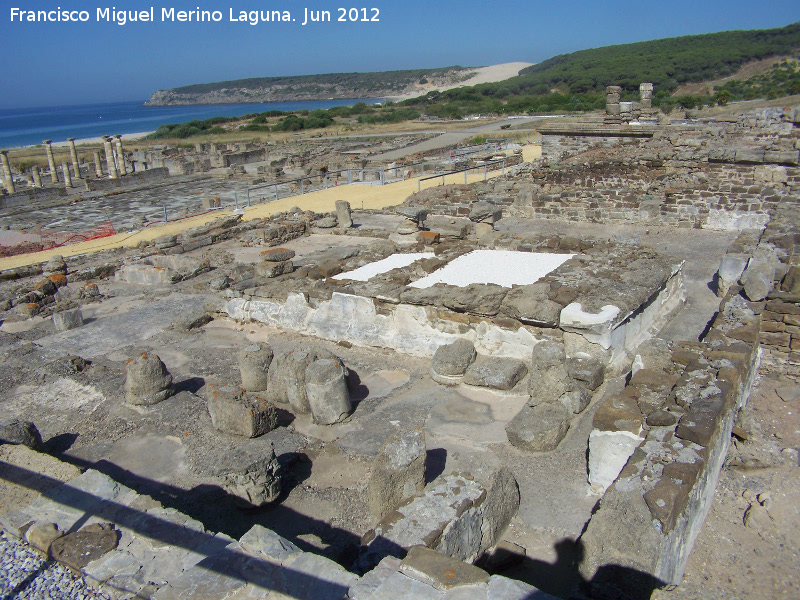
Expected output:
(269, 192)
(484, 166)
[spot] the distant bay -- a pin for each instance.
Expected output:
(29, 126)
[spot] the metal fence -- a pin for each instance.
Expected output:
(485, 167)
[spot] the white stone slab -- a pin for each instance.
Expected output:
(395, 261)
(502, 267)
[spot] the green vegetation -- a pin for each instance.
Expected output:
(290, 121)
(362, 84)
(576, 82)
(783, 79)
(567, 83)
(666, 63)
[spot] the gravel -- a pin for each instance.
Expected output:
(25, 574)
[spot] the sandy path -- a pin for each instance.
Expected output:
(359, 196)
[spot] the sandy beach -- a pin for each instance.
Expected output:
(127, 137)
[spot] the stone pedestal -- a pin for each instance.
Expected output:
(109, 150)
(73, 154)
(67, 177)
(98, 166)
(51, 160)
(646, 94)
(123, 170)
(7, 178)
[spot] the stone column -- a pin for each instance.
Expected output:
(98, 166)
(646, 95)
(112, 168)
(37, 178)
(612, 100)
(123, 170)
(7, 178)
(67, 176)
(51, 161)
(74, 156)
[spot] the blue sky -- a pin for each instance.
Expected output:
(48, 64)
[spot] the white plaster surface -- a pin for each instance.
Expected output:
(406, 329)
(608, 453)
(395, 261)
(502, 267)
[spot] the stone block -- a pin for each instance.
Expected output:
(549, 379)
(398, 472)
(667, 501)
(531, 304)
(428, 238)
(20, 432)
(495, 373)
(148, 382)
(81, 547)
(287, 376)
(254, 362)
(539, 428)
(774, 339)
(439, 570)
(609, 451)
(233, 411)
(68, 319)
(586, 369)
(700, 424)
(456, 516)
(784, 308)
(485, 212)
(274, 269)
(41, 535)
(326, 389)
(257, 484)
(452, 360)
(576, 399)
(343, 215)
(277, 255)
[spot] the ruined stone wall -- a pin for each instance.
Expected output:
(243, 158)
(34, 196)
(780, 326)
(674, 422)
(138, 178)
(715, 196)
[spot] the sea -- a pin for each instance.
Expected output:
(29, 126)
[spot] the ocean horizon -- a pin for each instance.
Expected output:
(30, 126)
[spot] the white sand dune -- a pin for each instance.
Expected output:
(482, 75)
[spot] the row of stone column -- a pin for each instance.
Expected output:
(115, 161)
(613, 92)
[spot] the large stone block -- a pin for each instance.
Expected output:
(326, 389)
(343, 216)
(496, 373)
(233, 411)
(259, 483)
(254, 362)
(539, 428)
(456, 516)
(549, 379)
(452, 360)
(398, 472)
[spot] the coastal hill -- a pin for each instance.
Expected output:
(386, 84)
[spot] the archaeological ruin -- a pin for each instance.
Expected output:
(272, 378)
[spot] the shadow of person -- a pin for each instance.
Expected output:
(561, 579)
